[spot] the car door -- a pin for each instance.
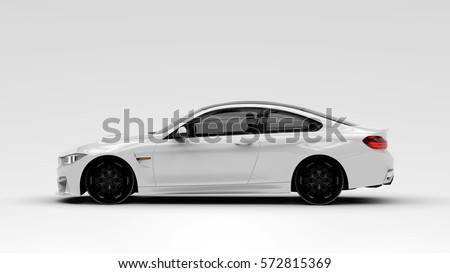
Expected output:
(221, 148)
(283, 145)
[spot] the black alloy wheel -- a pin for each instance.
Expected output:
(109, 181)
(319, 181)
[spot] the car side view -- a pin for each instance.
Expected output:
(234, 148)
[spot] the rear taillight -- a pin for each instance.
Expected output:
(376, 142)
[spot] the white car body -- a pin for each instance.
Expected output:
(233, 166)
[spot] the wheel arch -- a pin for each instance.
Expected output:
(86, 168)
(327, 157)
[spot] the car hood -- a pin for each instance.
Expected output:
(100, 147)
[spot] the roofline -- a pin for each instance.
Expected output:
(268, 103)
(254, 102)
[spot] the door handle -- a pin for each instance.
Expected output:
(245, 141)
(243, 144)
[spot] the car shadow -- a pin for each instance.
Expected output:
(237, 200)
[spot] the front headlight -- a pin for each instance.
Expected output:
(69, 159)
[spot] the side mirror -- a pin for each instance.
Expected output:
(181, 133)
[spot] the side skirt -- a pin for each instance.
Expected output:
(251, 188)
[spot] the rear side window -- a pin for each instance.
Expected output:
(278, 121)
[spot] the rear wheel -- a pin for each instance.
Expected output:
(109, 180)
(319, 181)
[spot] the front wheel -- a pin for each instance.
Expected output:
(109, 180)
(319, 181)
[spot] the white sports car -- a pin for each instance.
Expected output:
(233, 148)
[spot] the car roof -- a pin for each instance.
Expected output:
(256, 103)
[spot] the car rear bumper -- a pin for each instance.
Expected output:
(389, 177)
(369, 169)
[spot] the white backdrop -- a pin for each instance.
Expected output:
(66, 66)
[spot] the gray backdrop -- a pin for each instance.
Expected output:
(65, 67)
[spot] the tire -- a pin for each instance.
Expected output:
(319, 180)
(109, 180)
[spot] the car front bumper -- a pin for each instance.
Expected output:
(69, 176)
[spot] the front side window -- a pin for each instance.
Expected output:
(285, 122)
(234, 121)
